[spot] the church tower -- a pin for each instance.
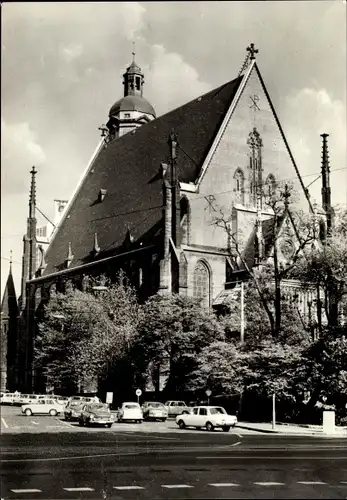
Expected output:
(8, 354)
(132, 110)
(29, 241)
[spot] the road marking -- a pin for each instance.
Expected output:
(79, 489)
(171, 486)
(311, 482)
(222, 485)
(66, 423)
(4, 422)
(33, 422)
(244, 457)
(235, 444)
(343, 482)
(270, 483)
(33, 490)
(128, 487)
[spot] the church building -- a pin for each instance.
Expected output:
(150, 194)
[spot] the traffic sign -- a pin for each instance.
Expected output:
(208, 392)
(109, 397)
(138, 392)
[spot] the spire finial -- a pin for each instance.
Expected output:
(11, 260)
(32, 195)
(133, 52)
(252, 51)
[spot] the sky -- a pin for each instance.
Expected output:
(62, 66)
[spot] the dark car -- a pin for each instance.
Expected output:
(97, 413)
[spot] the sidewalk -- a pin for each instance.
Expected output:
(292, 429)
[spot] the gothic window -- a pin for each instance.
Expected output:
(239, 186)
(270, 185)
(185, 221)
(201, 283)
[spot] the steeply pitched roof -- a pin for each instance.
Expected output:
(9, 303)
(128, 168)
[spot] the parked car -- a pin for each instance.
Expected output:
(7, 398)
(42, 406)
(62, 400)
(96, 413)
(73, 409)
(86, 399)
(24, 399)
(130, 411)
(175, 408)
(210, 417)
(154, 410)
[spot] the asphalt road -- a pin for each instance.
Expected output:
(148, 462)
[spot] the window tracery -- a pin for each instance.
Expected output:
(201, 283)
(239, 186)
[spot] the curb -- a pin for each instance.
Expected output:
(274, 431)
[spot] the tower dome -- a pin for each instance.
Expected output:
(132, 110)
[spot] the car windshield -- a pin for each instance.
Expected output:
(155, 405)
(216, 410)
(131, 406)
(99, 407)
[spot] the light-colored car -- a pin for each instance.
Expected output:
(130, 411)
(7, 398)
(47, 406)
(175, 408)
(96, 414)
(210, 417)
(154, 410)
(85, 399)
(72, 411)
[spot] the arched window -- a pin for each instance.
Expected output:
(185, 221)
(270, 185)
(239, 186)
(201, 283)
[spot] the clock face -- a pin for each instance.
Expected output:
(287, 249)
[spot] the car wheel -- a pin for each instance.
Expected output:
(181, 424)
(209, 427)
(81, 423)
(109, 426)
(226, 428)
(163, 419)
(28, 412)
(140, 421)
(119, 420)
(53, 413)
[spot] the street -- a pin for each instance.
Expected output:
(158, 460)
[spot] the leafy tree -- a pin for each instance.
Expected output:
(269, 272)
(172, 331)
(325, 267)
(82, 335)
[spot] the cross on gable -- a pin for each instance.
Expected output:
(252, 51)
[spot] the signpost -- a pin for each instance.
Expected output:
(208, 393)
(138, 393)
